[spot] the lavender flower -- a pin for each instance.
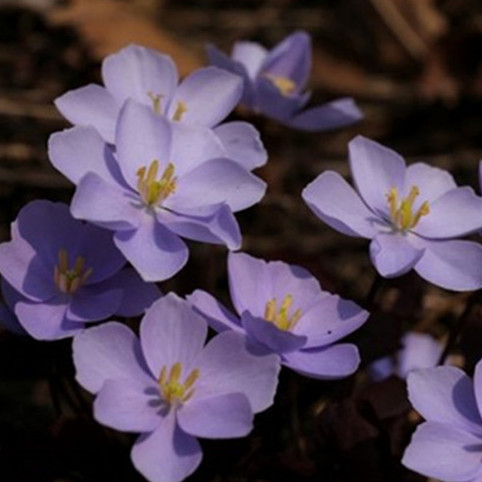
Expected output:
(163, 182)
(204, 98)
(448, 446)
(64, 273)
(170, 387)
(283, 308)
(274, 82)
(411, 214)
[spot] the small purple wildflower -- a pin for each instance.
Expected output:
(150, 78)
(283, 308)
(448, 446)
(412, 215)
(170, 387)
(63, 273)
(274, 82)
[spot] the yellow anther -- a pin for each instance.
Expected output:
(153, 192)
(281, 317)
(69, 280)
(156, 102)
(171, 388)
(285, 85)
(181, 108)
(402, 214)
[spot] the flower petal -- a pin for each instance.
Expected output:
(139, 73)
(335, 202)
(251, 55)
(168, 454)
(444, 452)
(8, 319)
(209, 95)
(332, 115)
(94, 303)
(376, 169)
(91, 105)
(456, 213)
(445, 395)
(154, 251)
(454, 265)
(172, 332)
(242, 143)
(229, 364)
(332, 362)
(108, 351)
(128, 405)
(225, 416)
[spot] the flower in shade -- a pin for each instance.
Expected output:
(282, 308)
(274, 83)
(204, 98)
(419, 350)
(61, 273)
(411, 214)
(448, 446)
(171, 388)
(161, 183)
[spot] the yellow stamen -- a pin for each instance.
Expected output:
(156, 102)
(181, 108)
(69, 280)
(171, 388)
(402, 214)
(281, 317)
(285, 85)
(154, 192)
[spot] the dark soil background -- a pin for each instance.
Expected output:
(414, 67)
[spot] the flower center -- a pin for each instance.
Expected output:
(67, 279)
(402, 214)
(172, 389)
(281, 316)
(155, 191)
(285, 85)
(156, 102)
(181, 108)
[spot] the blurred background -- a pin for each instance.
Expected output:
(415, 69)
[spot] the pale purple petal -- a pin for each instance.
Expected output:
(393, 254)
(332, 115)
(225, 416)
(432, 181)
(141, 137)
(219, 318)
(444, 452)
(335, 202)
(269, 335)
(93, 303)
(139, 73)
(419, 350)
(128, 405)
(376, 169)
(456, 213)
(168, 454)
(454, 265)
(332, 362)
(478, 385)
(209, 95)
(108, 351)
(217, 181)
(229, 365)
(91, 105)
(105, 204)
(79, 150)
(242, 143)
(446, 395)
(172, 332)
(251, 55)
(154, 251)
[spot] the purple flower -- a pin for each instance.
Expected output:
(448, 446)
(418, 350)
(283, 308)
(274, 82)
(411, 214)
(162, 182)
(204, 98)
(170, 387)
(63, 273)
